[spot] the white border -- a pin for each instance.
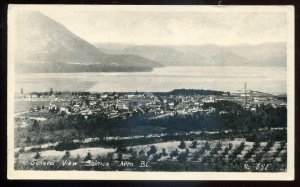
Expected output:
(100, 175)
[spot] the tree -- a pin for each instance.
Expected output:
(77, 158)
(37, 155)
(194, 144)
(207, 146)
(141, 152)
(152, 150)
(182, 157)
(121, 149)
(28, 139)
(35, 126)
(110, 157)
(163, 152)
(88, 157)
(187, 151)
(229, 146)
(182, 145)
(63, 113)
(174, 153)
(16, 155)
(40, 140)
(120, 156)
(196, 156)
(66, 145)
(67, 155)
(155, 157)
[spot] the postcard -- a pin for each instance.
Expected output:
(115, 92)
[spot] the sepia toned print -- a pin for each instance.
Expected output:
(116, 92)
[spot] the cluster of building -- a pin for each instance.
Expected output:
(123, 105)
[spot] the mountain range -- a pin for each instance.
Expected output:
(44, 45)
(266, 54)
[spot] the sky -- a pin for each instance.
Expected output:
(174, 27)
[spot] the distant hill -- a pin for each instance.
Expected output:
(190, 92)
(267, 54)
(45, 45)
(163, 54)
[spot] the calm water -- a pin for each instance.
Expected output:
(267, 79)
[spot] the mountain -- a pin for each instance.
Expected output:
(163, 54)
(267, 54)
(45, 45)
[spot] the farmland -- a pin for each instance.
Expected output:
(173, 156)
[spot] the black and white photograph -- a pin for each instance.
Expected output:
(150, 92)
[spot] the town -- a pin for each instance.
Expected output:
(153, 105)
(124, 126)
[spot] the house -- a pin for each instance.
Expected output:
(171, 105)
(64, 109)
(164, 115)
(255, 99)
(223, 112)
(274, 105)
(76, 108)
(196, 103)
(209, 110)
(92, 103)
(212, 109)
(52, 106)
(282, 105)
(52, 97)
(132, 96)
(86, 112)
(122, 104)
(208, 99)
(159, 111)
(181, 110)
(190, 108)
(28, 97)
(195, 109)
(92, 98)
(34, 96)
(104, 96)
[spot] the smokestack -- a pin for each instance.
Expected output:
(245, 87)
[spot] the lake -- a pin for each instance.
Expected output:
(224, 78)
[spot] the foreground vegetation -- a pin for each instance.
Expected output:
(170, 156)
